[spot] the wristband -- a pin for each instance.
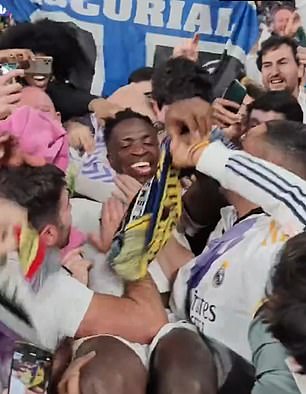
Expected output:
(195, 147)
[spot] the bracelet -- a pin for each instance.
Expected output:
(195, 147)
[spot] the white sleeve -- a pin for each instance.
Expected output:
(179, 294)
(279, 192)
(56, 310)
(59, 307)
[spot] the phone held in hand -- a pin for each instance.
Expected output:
(42, 65)
(236, 92)
(5, 68)
(30, 369)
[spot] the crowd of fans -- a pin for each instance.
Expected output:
(191, 278)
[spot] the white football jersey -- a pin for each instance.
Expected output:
(226, 283)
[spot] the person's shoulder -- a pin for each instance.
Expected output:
(269, 359)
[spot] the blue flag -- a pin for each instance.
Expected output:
(129, 33)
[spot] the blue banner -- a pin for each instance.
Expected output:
(127, 32)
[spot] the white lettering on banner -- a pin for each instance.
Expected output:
(224, 19)
(2, 10)
(152, 8)
(150, 13)
(58, 3)
(199, 19)
(176, 14)
(124, 13)
(89, 10)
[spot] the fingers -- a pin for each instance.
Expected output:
(222, 115)
(10, 89)
(192, 115)
(7, 78)
(70, 380)
(196, 39)
(128, 187)
(189, 48)
(81, 361)
(13, 99)
(16, 55)
(9, 93)
(204, 121)
(104, 108)
(88, 143)
(80, 137)
(227, 103)
(73, 384)
(176, 125)
(301, 53)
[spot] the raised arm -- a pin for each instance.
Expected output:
(137, 316)
(279, 192)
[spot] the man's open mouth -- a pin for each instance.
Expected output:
(142, 167)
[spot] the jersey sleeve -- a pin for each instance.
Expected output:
(279, 192)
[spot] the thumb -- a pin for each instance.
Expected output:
(83, 360)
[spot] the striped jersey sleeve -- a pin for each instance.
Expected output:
(279, 192)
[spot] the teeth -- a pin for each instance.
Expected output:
(39, 77)
(141, 164)
(276, 81)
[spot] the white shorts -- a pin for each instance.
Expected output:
(144, 352)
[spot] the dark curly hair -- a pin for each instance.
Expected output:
(56, 39)
(111, 123)
(177, 79)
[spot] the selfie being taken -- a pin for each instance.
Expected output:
(152, 197)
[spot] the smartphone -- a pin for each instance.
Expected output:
(30, 369)
(41, 66)
(235, 92)
(5, 68)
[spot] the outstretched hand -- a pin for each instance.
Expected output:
(12, 216)
(10, 92)
(112, 215)
(70, 382)
(188, 122)
(189, 49)
(294, 23)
